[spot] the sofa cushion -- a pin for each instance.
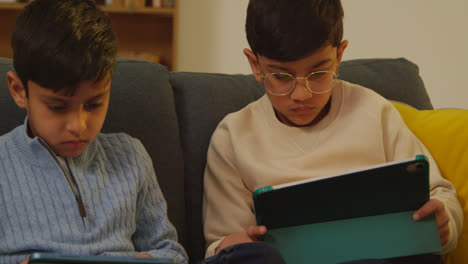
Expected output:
(394, 79)
(142, 105)
(202, 100)
(11, 115)
(444, 133)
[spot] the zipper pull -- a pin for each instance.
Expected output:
(81, 207)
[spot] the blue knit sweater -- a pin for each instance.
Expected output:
(125, 209)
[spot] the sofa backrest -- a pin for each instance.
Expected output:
(202, 100)
(394, 79)
(142, 105)
(10, 115)
(174, 115)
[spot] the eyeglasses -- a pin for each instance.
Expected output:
(318, 82)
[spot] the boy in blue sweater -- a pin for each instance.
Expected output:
(64, 187)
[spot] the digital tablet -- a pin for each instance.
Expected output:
(386, 188)
(363, 214)
(52, 258)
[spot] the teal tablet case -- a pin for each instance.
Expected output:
(360, 215)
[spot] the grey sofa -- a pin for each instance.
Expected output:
(175, 113)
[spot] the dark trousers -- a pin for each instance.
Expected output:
(417, 259)
(247, 253)
(262, 253)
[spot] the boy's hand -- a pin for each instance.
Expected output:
(251, 234)
(25, 261)
(436, 207)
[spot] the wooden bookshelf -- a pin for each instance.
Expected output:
(11, 6)
(144, 32)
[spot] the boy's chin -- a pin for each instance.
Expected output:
(304, 123)
(299, 122)
(69, 153)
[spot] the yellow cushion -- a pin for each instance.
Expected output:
(445, 134)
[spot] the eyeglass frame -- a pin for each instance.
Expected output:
(335, 76)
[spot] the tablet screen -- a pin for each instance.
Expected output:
(51, 258)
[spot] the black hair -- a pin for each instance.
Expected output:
(59, 43)
(288, 30)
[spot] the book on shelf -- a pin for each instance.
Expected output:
(364, 214)
(154, 3)
(119, 3)
(122, 3)
(168, 3)
(136, 3)
(160, 3)
(139, 3)
(15, 1)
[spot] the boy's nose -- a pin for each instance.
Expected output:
(300, 91)
(77, 122)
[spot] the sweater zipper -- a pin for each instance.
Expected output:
(72, 183)
(74, 186)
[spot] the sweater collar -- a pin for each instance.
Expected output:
(39, 153)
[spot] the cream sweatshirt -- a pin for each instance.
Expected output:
(251, 148)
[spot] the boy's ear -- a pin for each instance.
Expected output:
(17, 89)
(340, 52)
(253, 64)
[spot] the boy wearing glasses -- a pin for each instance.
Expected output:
(308, 124)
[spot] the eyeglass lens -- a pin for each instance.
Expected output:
(283, 83)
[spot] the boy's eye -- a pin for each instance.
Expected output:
(56, 108)
(318, 76)
(282, 77)
(91, 107)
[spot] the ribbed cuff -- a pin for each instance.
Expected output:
(211, 250)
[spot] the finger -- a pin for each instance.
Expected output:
(261, 230)
(442, 219)
(255, 232)
(444, 234)
(427, 209)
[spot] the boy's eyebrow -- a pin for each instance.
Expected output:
(99, 95)
(59, 98)
(286, 69)
(52, 98)
(321, 63)
(277, 67)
